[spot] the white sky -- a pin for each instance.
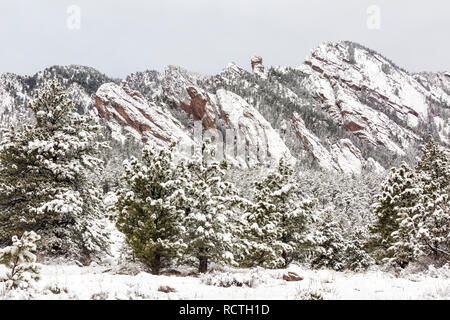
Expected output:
(119, 37)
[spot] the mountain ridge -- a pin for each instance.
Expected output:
(346, 108)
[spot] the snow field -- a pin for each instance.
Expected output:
(99, 282)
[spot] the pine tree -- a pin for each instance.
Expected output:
(433, 169)
(435, 163)
(356, 253)
(405, 247)
(424, 228)
(277, 224)
(420, 205)
(330, 247)
(210, 202)
(150, 211)
(338, 247)
(47, 178)
(398, 195)
(434, 229)
(20, 259)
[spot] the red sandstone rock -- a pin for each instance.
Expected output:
(292, 276)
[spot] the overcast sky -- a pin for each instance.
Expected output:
(119, 37)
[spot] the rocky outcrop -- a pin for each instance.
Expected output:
(247, 139)
(343, 156)
(124, 108)
(257, 64)
(367, 94)
(182, 89)
(261, 143)
(226, 115)
(347, 156)
(199, 107)
(313, 145)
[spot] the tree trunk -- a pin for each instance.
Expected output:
(285, 258)
(203, 266)
(156, 265)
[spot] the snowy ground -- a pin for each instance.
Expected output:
(99, 282)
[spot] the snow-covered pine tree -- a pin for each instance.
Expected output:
(422, 226)
(399, 194)
(434, 229)
(20, 259)
(47, 182)
(356, 253)
(433, 169)
(150, 211)
(210, 202)
(435, 163)
(330, 246)
(278, 222)
(338, 247)
(405, 247)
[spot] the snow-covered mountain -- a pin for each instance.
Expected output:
(369, 95)
(346, 108)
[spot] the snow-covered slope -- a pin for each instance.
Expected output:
(437, 84)
(13, 98)
(262, 142)
(16, 91)
(343, 156)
